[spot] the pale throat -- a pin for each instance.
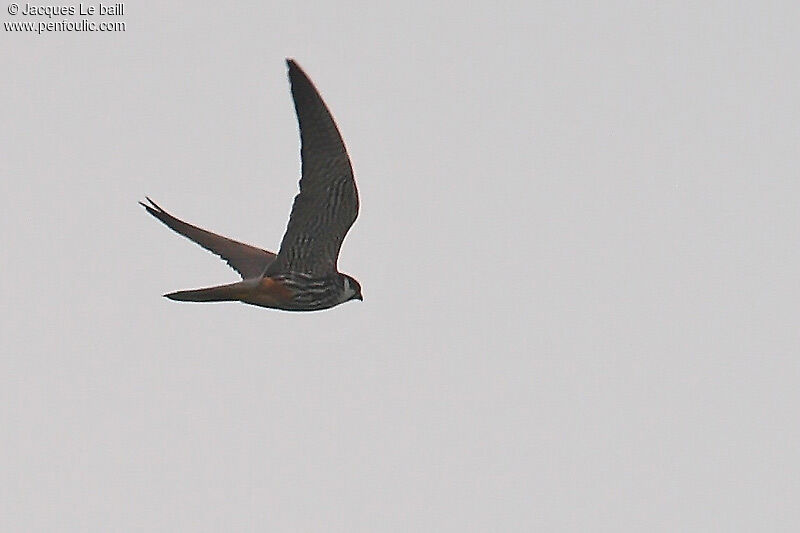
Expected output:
(348, 291)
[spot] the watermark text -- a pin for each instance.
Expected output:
(80, 17)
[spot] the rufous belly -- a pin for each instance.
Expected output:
(268, 293)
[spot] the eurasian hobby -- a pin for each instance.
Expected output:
(303, 276)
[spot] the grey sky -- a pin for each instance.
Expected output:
(578, 246)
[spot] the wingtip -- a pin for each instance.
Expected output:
(294, 68)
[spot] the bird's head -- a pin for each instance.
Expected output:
(352, 289)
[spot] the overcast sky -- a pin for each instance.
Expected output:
(578, 246)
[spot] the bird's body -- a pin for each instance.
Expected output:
(303, 275)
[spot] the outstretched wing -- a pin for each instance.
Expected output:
(249, 261)
(328, 201)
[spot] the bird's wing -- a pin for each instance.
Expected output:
(249, 261)
(328, 201)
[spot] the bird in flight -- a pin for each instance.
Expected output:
(303, 275)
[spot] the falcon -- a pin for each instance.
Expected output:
(303, 275)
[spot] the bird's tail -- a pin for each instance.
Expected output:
(222, 293)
